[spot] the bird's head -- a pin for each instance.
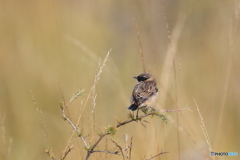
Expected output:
(145, 77)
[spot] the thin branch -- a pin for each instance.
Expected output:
(148, 114)
(130, 146)
(74, 127)
(80, 92)
(60, 89)
(50, 153)
(70, 122)
(63, 99)
(132, 120)
(119, 147)
(157, 155)
(116, 152)
(64, 155)
(136, 119)
(99, 139)
(91, 150)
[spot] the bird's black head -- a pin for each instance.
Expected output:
(144, 77)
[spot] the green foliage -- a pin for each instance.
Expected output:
(79, 93)
(61, 104)
(131, 115)
(100, 132)
(88, 147)
(160, 115)
(111, 130)
(145, 110)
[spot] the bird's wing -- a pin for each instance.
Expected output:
(142, 91)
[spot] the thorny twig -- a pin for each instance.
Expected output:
(64, 155)
(50, 153)
(157, 155)
(119, 147)
(116, 152)
(74, 127)
(136, 119)
(90, 149)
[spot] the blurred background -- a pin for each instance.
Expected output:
(51, 49)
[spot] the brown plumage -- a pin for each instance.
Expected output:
(145, 92)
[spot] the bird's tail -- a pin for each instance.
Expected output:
(133, 107)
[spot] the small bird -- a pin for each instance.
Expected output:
(144, 93)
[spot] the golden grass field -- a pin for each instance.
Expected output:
(52, 49)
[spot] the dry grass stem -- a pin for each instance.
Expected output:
(174, 110)
(127, 149)
(172, 52)
(170, 58)
(6, 142)
(97, 77)
(190, 136)
(125, 136)
(204, 129)
(94, 95)
(165, 76)
(140, 45)
(83, 47)
(232, 34)
(113, 72)
(3, 131)
(174, 72)
(41, 118)
(130, 150)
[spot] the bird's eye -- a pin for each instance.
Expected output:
(143, 78)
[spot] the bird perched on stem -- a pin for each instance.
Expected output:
(144, 93)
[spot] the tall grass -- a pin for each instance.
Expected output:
(53, 48)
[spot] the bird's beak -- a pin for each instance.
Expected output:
(135, 77)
